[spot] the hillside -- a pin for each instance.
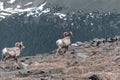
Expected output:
(94, 60)
(39, 23)
(43, 25)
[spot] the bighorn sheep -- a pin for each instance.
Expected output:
(64, 42)
(13, 52)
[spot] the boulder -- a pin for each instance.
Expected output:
(81, 55)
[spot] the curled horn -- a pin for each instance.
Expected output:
(17, 44)
(65, 33)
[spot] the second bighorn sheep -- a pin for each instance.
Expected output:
(64, 42)
(13, 52)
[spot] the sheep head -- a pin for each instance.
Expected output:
(20, 45)
(67, 34)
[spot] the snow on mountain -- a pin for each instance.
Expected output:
(1, 6)
(38, 13)
(41, 7)
(5, 14)
(23, 10)
(31, 10)
(11, 1)
(2, 17)
(29, 3)
(60, 15)
(18, 6)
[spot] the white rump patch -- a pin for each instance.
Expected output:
(4, 51)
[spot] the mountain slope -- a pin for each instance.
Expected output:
(15, 6)
(40, 26)
(83, 61)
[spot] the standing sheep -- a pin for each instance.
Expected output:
(13, 52)
(64, 42)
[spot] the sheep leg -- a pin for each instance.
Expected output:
(3, 56)
(66, 48)
(16, 59)
(65, 51)
(57, 52)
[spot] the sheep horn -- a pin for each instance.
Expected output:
(65, 33)
(17, 43)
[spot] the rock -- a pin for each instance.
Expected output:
(27, 61)
(65, 71)
(117, 60)
(87, 44)
(73, 52)
(105, 51)
(72, 63)
(75, 45)
(94, 77)
(11, 66)
(96, 39)
(118, 44)
(79, 43)
(24, 65)
(81, 47)
(22, 73)
(35, 72)
(81, 55)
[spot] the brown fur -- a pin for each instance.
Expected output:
(13, 52)
(64, 42)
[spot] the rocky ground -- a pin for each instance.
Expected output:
(98, 59)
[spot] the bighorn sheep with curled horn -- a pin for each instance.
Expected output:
(13, 52)
(64, 42)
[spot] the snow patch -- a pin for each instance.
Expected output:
(46, 10)
(2, 16)
(91, 13)
(28, 3)
(24, 10)
(9, 11)
(29, 14)
(1, 6)
(39, 11)
(5, 14)
(61, 15)
(18, 6)
(11, 1)
(91, 24)
(35, 11)
(41, 7)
